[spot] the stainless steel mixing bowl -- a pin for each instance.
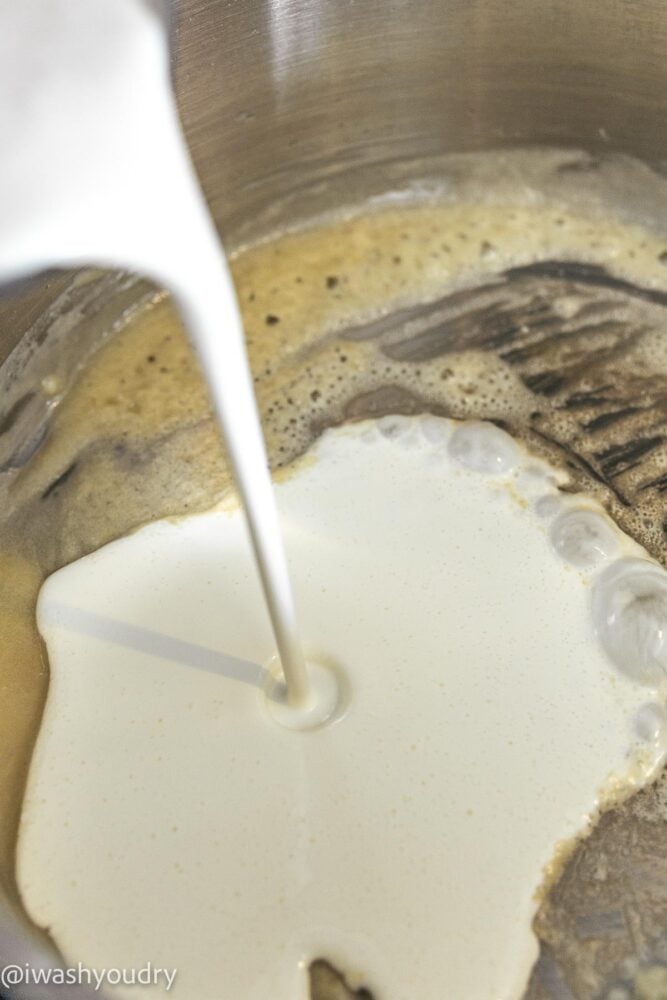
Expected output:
(282, 94)
(294, 106)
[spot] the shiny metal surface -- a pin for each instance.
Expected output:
(280, 94)
(292, 107)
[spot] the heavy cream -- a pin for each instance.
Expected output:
(453, 590)
(467, 717)
(94, 170)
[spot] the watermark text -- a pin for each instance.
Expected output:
(25, 974)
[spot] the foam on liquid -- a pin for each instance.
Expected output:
(450, 585)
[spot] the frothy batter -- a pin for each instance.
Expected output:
(451, 585)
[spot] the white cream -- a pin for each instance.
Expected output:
(167, 815)
(467, 714)
(94, 170)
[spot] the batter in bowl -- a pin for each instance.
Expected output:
(308, 376)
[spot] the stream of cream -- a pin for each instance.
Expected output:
(94, 170)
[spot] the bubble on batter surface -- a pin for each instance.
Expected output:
(394, 427)
(483, 447)
(583, 538)
(435, 430)
(650, 722)
(630, 616)
(533, 479)
(549, 505)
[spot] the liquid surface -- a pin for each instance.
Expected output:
(135, 439)
(434, 563)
